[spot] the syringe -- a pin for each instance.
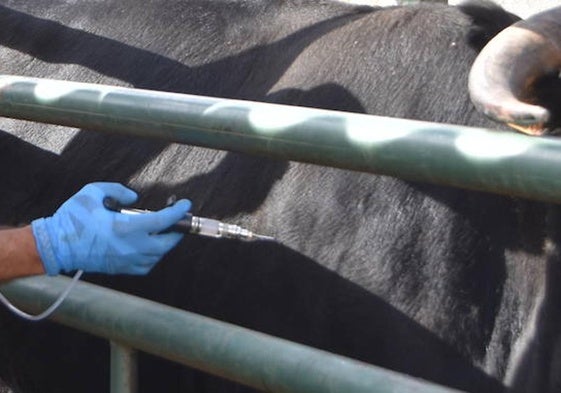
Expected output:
(196, 225)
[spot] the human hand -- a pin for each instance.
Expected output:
(84, 235)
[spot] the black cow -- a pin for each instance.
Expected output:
(452, 286)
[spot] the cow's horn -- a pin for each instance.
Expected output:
(504, 72)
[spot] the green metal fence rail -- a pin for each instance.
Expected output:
(248, 357)
(502, 162)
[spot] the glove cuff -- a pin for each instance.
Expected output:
(45, 246)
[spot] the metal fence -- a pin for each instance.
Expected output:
(474, 158)
(238, 354)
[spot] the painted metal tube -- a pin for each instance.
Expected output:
(124, 369)
(248, 357)
(474, 158)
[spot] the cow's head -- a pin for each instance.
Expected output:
(513, 78)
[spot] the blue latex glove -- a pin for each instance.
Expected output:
(84, 235)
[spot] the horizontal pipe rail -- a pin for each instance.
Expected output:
(474, 158)
(242, 355)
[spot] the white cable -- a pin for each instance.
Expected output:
(49, 310)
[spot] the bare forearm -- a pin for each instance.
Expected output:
(18, 254)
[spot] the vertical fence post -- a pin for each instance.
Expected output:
(123, 369)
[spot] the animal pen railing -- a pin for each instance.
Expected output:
(460, 156)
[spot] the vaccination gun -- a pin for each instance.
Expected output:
(196, 225)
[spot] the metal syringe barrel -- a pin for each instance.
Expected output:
(214, 228)
(195, 225)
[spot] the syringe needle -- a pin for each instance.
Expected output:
(263, 237)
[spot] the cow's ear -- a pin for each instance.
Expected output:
(487, 20)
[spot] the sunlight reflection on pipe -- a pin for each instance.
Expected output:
(482, 145)
(268, 118)
(47, 91)
(361, 130)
